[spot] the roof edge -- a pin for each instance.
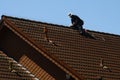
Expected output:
(112, 34)
(35, 21)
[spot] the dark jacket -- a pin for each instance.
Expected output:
(75, 20)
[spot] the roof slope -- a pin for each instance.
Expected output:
(78, 52)
(11, 70)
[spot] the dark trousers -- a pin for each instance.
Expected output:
(78, 27)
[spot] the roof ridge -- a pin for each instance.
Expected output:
(112, 34)
(35, 21)
(23, 19)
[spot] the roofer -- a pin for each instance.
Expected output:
(77, 23)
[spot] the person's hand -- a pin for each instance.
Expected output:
(70, 25)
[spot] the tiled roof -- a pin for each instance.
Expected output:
(12, 70)
(81, 54)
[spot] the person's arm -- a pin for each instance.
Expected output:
(74, 21)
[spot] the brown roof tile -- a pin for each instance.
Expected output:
(78, 52)
(12, 70)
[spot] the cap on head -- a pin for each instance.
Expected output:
(70, 14)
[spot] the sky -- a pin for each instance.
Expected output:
(98, 15)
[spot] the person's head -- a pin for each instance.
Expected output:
(69, 14)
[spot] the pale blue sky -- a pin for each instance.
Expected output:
(98, 15)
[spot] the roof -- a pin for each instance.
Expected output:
(12, 70)
(72, 52)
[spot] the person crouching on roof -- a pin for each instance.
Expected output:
(77, 23)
